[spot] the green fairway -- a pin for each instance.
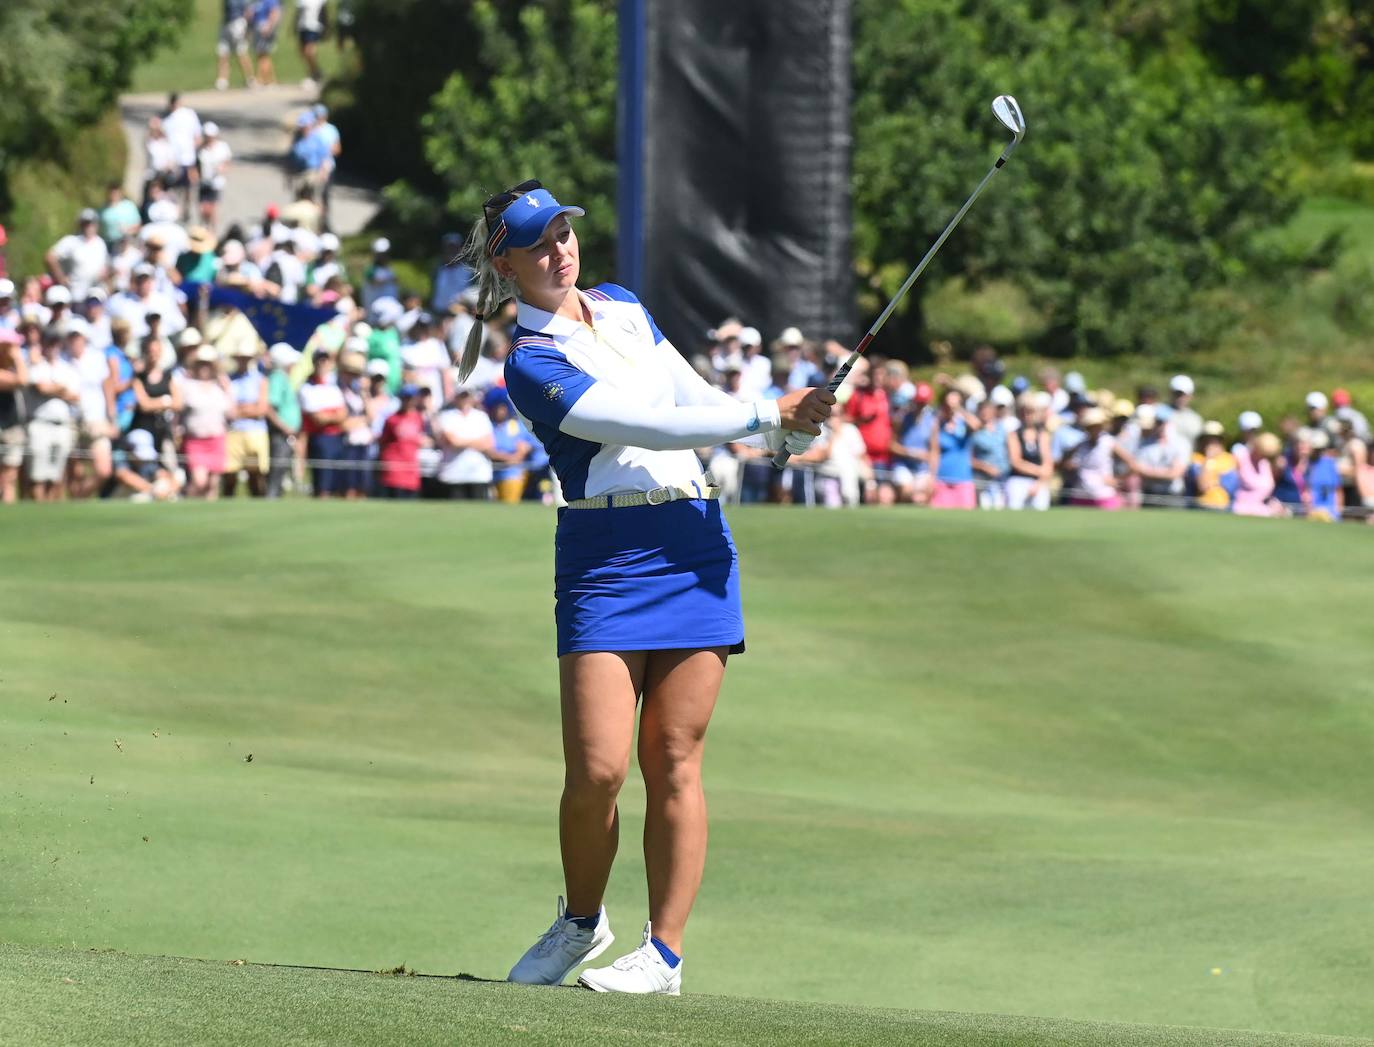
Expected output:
(1105, 767)
(77, 998)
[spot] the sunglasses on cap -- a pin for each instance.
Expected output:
(498, 203)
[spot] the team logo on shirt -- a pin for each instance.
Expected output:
(553, 391)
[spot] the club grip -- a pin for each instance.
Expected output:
(780, 459)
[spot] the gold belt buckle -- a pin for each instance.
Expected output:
(659, 496)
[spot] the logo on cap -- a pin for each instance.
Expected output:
(531, 201)
(553, 391)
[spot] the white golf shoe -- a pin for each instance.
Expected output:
(642, 971)
(561, 948)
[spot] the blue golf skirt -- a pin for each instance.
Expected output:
(647, 578)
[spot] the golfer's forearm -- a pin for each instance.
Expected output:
(602, 415)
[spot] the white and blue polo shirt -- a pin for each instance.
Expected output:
(554, 360)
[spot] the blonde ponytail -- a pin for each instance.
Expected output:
(493, 291)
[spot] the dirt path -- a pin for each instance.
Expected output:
(257, 125)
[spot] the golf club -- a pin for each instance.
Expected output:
(1006, 110)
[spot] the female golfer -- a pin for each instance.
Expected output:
(646, 580)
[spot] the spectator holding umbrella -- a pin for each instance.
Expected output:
(207, 405)
(323, 413)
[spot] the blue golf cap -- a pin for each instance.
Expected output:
(496, 395)
(524, 220)
(408, 390)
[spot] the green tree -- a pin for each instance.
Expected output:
(1141, 184)
(540, 104)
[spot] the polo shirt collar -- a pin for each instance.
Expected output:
(534, 319)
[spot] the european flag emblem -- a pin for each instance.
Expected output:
(273, 320)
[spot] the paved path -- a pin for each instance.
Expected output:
(257, 125)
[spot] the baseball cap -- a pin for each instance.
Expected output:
(206, 354)
(329, 242)
(1074, 383)
(6, 288)
(96, 294)
(163, 211)
(924, 393)
(379, 367)
(1093, 416)
(188, 338)
(306, 118)
(1122, 408)
(408, 390)
(1181, 383)
(1249, 421)
(320, 109)
(284, 355)
(210, 128)
(381, 245)
(1020, 384)
(88, 214)
(524, 220)
(144, 269)
(58, 294)
(495, 395)
(1147, 416)
(1340, 397)
(141, 445)
(750, 336)
(1001, 396)
(1212, 427)
(1316, 401)
(76, 325)
(791, 336)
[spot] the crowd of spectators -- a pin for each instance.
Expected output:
(124, 374)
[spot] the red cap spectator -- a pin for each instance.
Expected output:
(924, 393)
(1340, 397)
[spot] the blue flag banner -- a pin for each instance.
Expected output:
(275, 321)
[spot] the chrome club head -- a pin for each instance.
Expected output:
(1006, 110)
(1004, 107)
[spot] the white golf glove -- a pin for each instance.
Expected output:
(798, 442)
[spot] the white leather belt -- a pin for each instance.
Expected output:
(658, 496)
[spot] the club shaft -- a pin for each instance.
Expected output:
(780, 459)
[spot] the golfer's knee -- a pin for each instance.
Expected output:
(594, 783)
(673, 768)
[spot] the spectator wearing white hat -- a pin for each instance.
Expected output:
(1159, 458)
(283, 416)
(142, 300)
(1248, 424)
(756, 372)
(326, 265)
(10, 317)
(379, 279)
(14, 439)
(214, 157)
(58, 300)
(208, 403)
(80, 260)
(163, 236)
(1092, 464)
(53, 408)
(246, 444)
(97, 408)
(1317, 406)
(138, 474)
(1185, 422)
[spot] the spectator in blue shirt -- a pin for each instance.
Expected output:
(991, 459)
(1324, 480)
(911, 448)
(512, 446)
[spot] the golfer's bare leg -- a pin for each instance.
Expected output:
(680, 690)
(599, 691)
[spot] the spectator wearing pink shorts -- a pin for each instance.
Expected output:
(209, 404)
(951, 454)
